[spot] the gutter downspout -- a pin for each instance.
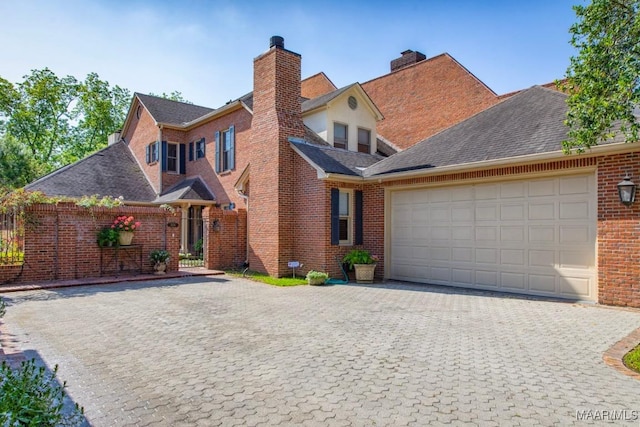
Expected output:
(246, 199)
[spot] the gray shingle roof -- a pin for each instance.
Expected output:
(172, 112)
(336, 160)
(188, 189)
(529, 122)
(111, 171)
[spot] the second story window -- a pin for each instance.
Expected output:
(152, 152)
(364, 140)
(225, 150)
(172, 157)
(340, 138)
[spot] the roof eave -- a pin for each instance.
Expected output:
(612, 148)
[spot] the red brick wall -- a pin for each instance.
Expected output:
(222, 185)
(317, 85)
(226, 243)
(618, 233)
(422, 99)
(61, 243)
(276, 116)
(142, 132)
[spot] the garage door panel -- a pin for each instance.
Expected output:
(512, 190)
(528, 236)
(574, 210)
(582, 259)
(462, 276)
(542, 283)
(575, 234)
(542, 188)
(487, 278)
(486, 256)
(510, 280)
(575, 286)
(486, 213)
(512, 212)
(486, 234)
(542, 234)
(512, 257)
(544, 211)
(459, 255)
(575, 185)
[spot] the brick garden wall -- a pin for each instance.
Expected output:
(60, 243)
(226, 242)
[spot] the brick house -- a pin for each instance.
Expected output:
(447, 183)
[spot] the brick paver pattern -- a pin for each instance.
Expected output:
(226, 351)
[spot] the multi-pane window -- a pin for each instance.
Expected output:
(152, 153)
(226, 150)
(340, 132)
(172, 157)
(345, 217)
(200, 147)
(364, 140)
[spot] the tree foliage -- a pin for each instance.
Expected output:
(603, 80)
(48, 121)
(173, 96)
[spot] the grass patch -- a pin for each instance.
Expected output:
(264, 278)
(632, 359)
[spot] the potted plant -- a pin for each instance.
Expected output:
(316, 277)
(125, 226)
(159, 258)
(107, 236)
(363, 262)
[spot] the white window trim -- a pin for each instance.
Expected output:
(349, 218)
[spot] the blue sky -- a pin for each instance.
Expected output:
(205, 49)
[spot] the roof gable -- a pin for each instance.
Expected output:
(327, 99)
(171, 112)
(316, 85)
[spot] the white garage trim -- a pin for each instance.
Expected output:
(533, 236)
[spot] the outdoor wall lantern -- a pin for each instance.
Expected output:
(215, 224)
(627, 191)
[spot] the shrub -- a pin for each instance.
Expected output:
(31, 396)
(359, 256)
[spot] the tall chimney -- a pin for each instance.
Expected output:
(276, 117)
(409, 57)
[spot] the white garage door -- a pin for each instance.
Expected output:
(530, 236)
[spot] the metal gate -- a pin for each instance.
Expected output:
(193, 238)
(11, 238)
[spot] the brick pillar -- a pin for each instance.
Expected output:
(276, 117)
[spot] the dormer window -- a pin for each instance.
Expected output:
(364, 140)
(340, 132)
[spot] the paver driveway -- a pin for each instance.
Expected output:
(223, 351)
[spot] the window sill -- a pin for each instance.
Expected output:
(223, 173)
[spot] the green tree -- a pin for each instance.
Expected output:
(47, 122)
(173, 96)
(603, 80)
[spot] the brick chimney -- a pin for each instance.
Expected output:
(276, 117)
(409, 57)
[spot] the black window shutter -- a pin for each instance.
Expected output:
(164, 155)
(335, 216)
(148, 153)
(183, 159)
(359, 223)
(217, 168)
(191, 151)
